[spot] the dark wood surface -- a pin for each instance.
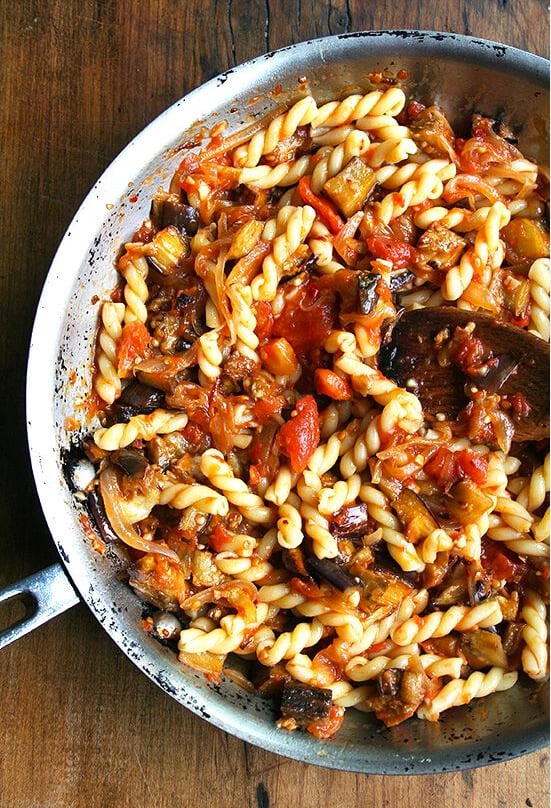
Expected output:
(79, 725)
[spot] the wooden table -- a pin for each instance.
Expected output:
(79, 725)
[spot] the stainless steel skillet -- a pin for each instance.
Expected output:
(462, 74)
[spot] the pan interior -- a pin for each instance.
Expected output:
(462, 75)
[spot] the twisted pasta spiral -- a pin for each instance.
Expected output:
(107, 382)
(220, 475)
(144, 427)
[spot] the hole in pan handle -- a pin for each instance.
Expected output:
(45, 595)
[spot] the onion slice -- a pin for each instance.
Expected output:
(111, 495)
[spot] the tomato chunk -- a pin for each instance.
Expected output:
(327, 727)
(307, 318)
(299, 436)
(446, 467)
(133, 346)
(264, 320)
(329, 383)
(279, 357)
(473, 465)
(399, 252)
(502, 562)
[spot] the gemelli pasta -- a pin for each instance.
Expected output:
(317, 535)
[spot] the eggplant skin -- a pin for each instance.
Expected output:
(304, 703)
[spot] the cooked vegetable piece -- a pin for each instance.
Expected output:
(482, 649)
(97, 508)
(131, 461)
(451, 595)
(512, 638)
(388, 682)
(351, 520)
(432, 132)
(525, 239)
(413, 687)
(245, 239)
(414, 514)
(269, 681)
(167, 249)
(167, 209)
(325, 209)
(351, 187)
(332, 572)
(400, 279)
(164, 450)
(399, 253)
(400, 693)
(132, 347)
(331, 384)
(467, 502)
(160, 581)
(304, 703)
(140, 398)
(205, 662)
(300, 435)
(326, 727)
(441, 247)
(367, 290)
(279, 357)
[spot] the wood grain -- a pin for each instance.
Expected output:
(79, 725)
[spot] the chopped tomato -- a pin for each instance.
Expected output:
(329, 383)
(414, 108)
(133, 346)
(472, 465)
(267, 408)
(522, 321)
(325, 209)
(441, 468)
(278, 357)
(468, 353)
(400, 253)
(255, 475)
(264, 320)
(485, 148)
(301, 434)
(502, 562)
(446, 467)
(327, 727)
(220, 539)
(343, 283)
(307, 318)
(194, 435)
(520, 406)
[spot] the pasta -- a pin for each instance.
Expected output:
(268, 483)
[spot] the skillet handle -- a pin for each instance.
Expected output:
(45, 595)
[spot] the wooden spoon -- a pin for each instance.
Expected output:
(409, 357)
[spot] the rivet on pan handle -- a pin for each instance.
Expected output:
(45, 595)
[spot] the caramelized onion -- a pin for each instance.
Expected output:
(160, 371)
(465, 186)
(344, 240)
(111, 495)
(504, 429)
